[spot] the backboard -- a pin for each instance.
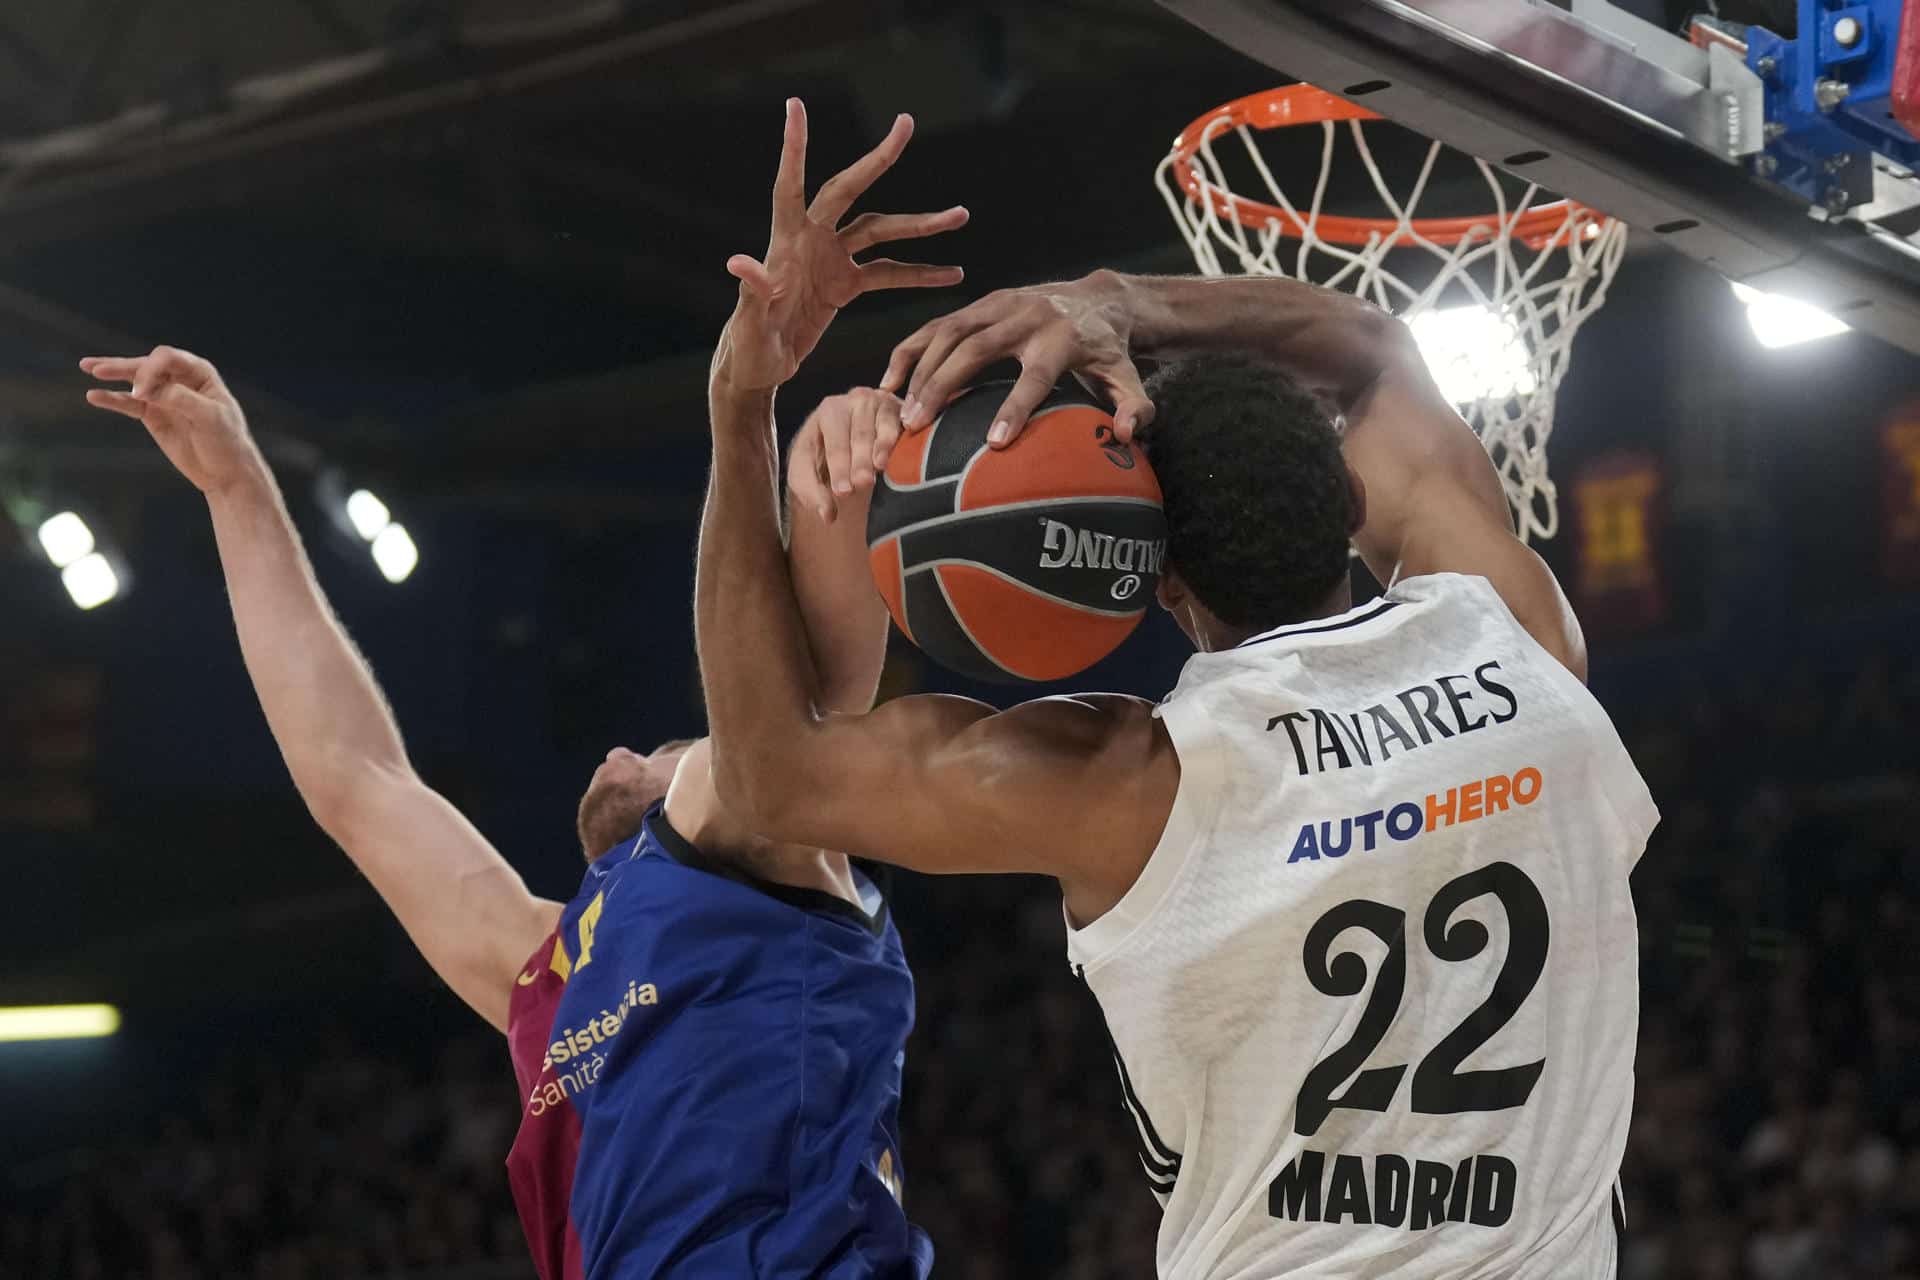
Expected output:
(1783, 163)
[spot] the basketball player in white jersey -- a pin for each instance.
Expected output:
(1354, 896)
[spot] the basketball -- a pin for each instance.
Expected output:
(1031, 562)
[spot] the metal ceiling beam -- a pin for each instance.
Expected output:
(164, 175)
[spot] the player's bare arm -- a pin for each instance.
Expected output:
(940, 784)
(1432, 500)
(831, 466)
(463, 905)
(845, 622)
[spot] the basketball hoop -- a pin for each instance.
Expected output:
(1508, 289)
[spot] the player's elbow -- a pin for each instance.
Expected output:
(1385, 336)
(755, 784)
(346, 795)
(1376, 343)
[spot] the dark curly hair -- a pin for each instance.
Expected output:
(1259, 509)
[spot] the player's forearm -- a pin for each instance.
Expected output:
(843, 615)
(1327, 339)
(1402, 438)
(754, 661)
(319, 697)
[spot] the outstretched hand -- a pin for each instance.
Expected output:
(185, 407)
(1082, 326)
(788, 298)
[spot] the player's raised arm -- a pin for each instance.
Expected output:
(938, 783)
(463, 905)
(1433, 501)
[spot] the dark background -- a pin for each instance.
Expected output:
(481, 275)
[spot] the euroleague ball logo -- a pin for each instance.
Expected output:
(1126, 587)
(1117, 453)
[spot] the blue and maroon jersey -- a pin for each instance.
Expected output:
(709, 1069)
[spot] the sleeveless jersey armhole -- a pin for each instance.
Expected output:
(1620, 782)
(1195, 801)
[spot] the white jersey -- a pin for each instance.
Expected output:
(1374, 996)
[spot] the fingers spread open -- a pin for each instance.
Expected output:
(885, 273)
(751, 274)
(870, 229)
(790, 183)
(839, 192)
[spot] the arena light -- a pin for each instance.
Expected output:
(90, 580)
(65, 538)
(394, 552)
(58, 1022)
(1779, 321)
(367, 514)
(1474, 354)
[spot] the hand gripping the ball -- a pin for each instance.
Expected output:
(1082, 326)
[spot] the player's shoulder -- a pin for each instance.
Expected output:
(1420, 588)
(1084, 724)
(1101, 759)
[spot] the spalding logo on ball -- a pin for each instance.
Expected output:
(1031, 562)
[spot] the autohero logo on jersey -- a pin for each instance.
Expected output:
(1407, 721)
(1467, 802)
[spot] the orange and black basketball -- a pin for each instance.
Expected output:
(1031, 562)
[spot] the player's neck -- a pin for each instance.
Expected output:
(1214, 635)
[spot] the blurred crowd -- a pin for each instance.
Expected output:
(1777, 1132)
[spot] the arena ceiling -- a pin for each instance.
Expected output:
(440, 237)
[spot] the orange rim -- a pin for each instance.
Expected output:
(1298, 104)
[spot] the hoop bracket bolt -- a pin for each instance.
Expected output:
(1829, 93)
(1847, 32)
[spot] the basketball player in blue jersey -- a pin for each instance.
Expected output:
(709, 1037)
(1354, 896)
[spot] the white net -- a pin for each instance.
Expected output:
(1498, 299)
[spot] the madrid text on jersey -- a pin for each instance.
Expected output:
(1406, 721)
(1394, 1192)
